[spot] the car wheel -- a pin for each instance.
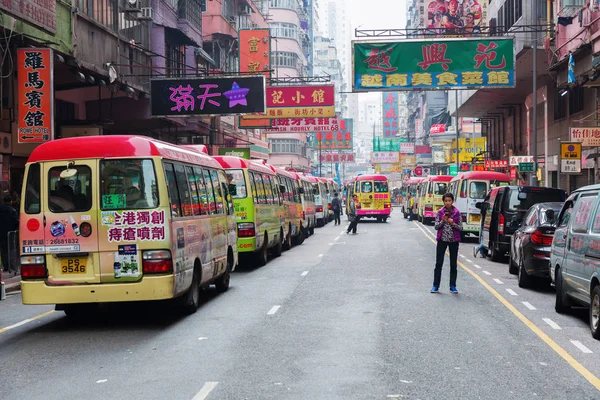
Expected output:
(523, 279)
(494, 254)
(595, 313)
(191, 300)
(513, 268)
(561, 304)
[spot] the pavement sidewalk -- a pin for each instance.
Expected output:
(11, 283)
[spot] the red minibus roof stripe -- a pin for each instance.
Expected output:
(439, 178)
(232, 162)
(372, 178)
(483, 175)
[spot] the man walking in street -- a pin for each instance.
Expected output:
(352, 215)
(448, 224)
(336, 205)
(9, 221)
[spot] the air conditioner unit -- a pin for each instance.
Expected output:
(132, 4)
(245, 9)
(147, 13)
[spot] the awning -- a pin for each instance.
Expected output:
(179, 37)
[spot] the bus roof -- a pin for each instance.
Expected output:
(483, 175)
(371, 178)
(414, 179)
(283, 172)
(118, 146)
(232, 162)
(439, 178)
(312, 179)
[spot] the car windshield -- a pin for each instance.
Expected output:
(477, 190)
(439, 188)
(533, 197)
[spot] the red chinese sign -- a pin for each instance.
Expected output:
(299, 102)
(304, 125)
(437, 129)
(132, 226)
(337, 157)
(336, 140)
(41, 14)
(496, 163)
(35, 95)
(255, 56)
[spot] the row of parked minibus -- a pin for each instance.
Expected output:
(129, 218)
(545, 235)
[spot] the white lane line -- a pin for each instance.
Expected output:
(512, 292)
(102, 381)
(25, 321)
(476, 266)
(273, 310)
(337, 238)
(461, 256)
(581, 346)
(205, 390)
(320, 255)
(528, 305)
(553, 324)
(498, 281)
(487, 273)
(304, 273)
(469, 261)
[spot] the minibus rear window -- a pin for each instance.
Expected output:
(128, 184)
(381, 187)
(366, 187)
(439, 188)
(477, 190)
(70, 194)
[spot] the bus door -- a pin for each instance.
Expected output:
(70, 222)
(475, 191)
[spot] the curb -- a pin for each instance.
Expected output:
(12, 287)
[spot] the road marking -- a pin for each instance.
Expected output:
(304, 273)
(337, 238)
(273, 310)
(102, 381)
(498, 281)
(476, 266)
(202, 338)
(469, 261)
(320, 255)
(576, 365)
(205, 390)
(528, 305)
(461, 256)
(581, 346)
(553, 324)
(25, 321)
(512, 292)
(487, 273)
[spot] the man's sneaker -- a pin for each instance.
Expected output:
(435, 289)
(453, 290)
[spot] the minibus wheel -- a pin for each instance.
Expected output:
(222, 282)
(278, 249)
(299, 239)
(288, 239)
(191, 299)
(262, 257)
(385, 219)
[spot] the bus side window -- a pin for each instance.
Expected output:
(173, 192)
(212, 209)
(253, 186)
(268, 189)
(277, 195)
(184, 190)
(218, 193)
(225, 191)
(194, 190)
(202, 195)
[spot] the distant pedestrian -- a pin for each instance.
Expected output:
(352, 215)
(448, 224)
(336, 205)
(9, 221)
(411, 205)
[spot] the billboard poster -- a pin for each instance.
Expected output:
(242, 152)
(386, 157)
(433, 64)
(468, 148)
(298, 102)
(35, 94)
(454, 18)
(179, 97)
(337, 157)
(340, 139)
(390, 114)
(293, 125)
(255, 57)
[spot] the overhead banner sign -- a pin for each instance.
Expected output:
(388, 157)
(293, 125)
(35, 94)
(390, 114)
(180, 97)
(241, 152)
(514, 161)
(493, 164)
(434, 64)
(587, 136)
(407, 148)
(255, 57)
(570, 158)
(341, 139)
(468, 148)
(299, 102)
(337, 157)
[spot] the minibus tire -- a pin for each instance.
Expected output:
(222, 282)
(262, 257)
(278, 249)
(299, 239)
(288, 239)
(190, 301)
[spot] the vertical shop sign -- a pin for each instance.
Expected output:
(390, 114)
(255, 57)
(35, 94)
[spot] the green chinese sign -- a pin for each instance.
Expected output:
(434, 64)
(242, 152)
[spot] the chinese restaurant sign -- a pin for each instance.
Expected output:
(340, 139)
(40, 14)
(337, 157)
(290, 125)
(255, 57)
(207, 96)
(434, 64)
(587, 136)
(407, 148)
(495, 164)
(390, 114)
(299, 102)
(385, 157)
(35, 95)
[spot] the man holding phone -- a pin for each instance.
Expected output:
(448, 224)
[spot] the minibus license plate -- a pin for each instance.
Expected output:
(475, 218)
(73, 265)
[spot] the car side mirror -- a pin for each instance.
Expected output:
(550, 215)
(479, 204)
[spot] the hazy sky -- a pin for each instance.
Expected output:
(378, 14)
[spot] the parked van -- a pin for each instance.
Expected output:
(575, 256)
(506, 208)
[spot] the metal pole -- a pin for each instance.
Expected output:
(558, 169)
(457, 132)
(534, 180)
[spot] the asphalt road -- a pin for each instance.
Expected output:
(340, 317)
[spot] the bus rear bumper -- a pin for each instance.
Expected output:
(149, 288)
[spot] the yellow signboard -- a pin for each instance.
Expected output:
(570, 151)
(468, 148)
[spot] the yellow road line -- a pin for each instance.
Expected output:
(8, 328)
(593, 379)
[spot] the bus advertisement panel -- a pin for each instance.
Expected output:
(374, 198)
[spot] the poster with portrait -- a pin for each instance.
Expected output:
(455, 18)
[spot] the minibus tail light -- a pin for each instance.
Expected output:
(463, 217)
(246, 230)
(429, 208)
(501, 224)
(387, 205)
(33, 267)
(320, 209)
(157, 262)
